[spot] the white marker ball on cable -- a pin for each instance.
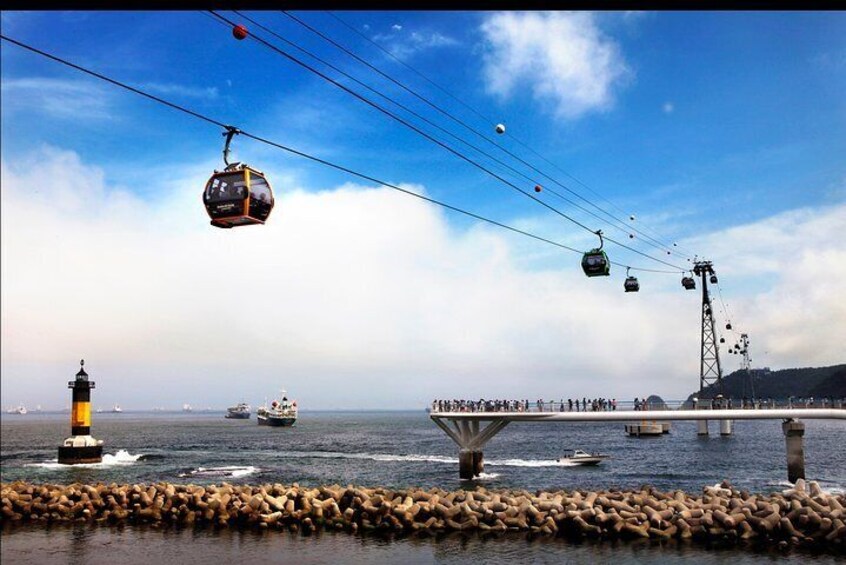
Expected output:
(500, 128)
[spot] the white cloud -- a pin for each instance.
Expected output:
(414, 42)
(789, 270)
(209, 93)
(396, 27)
(352, 297)
(668, 107)
(59, 98)
(563, 58)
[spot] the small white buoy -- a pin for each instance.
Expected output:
(500, 128)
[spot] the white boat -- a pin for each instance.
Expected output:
(240, 411)
(21, 409)
(280, 413)
(117, 408)
(579, 457)
(186, 407)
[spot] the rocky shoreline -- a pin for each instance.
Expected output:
(802, 516)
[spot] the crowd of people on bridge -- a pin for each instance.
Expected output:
(639, 404)
(540, 405)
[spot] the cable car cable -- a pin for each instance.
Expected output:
(433, 139)
(419, 116)
(647, 237)
(342, 168)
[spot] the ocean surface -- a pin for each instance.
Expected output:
(395, 449)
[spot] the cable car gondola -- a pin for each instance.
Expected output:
(631, 284)
(595, 262)
(713, 279)
(728, 326)
(688, 283)
(239, 195)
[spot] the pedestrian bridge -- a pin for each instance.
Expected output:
(471, 430)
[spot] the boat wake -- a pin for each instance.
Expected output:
(531, 463)
(121, 458)
(231, 471)
(386, 457)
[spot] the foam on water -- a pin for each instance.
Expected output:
(232, 471)
(387, 457)
(531, 463)
(122, 457)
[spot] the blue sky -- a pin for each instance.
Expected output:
(704, 125)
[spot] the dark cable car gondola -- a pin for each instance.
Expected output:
(595, 262)
(728, 326)
(722, 340)
(688, 283)
(631, 284)
(713, 279)
(239, 195)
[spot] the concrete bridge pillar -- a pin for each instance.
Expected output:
(725, 427)
(703, 427)
(471, 438)
(794, 430)
(466, 465)
(478, 463)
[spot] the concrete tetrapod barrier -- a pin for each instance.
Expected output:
(801, 516)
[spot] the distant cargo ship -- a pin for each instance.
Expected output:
(240, 411)
(282, 413)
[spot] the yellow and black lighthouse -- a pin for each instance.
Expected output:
(81, 447)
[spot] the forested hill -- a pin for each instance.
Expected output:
(811, 381)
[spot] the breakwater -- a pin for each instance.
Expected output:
(801, 516)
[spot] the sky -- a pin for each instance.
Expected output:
(721, 133)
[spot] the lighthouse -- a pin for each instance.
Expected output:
(81, 447)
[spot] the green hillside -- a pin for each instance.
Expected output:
(803, 382)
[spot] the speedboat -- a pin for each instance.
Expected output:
(579, 457)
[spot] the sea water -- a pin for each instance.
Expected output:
(393, 449)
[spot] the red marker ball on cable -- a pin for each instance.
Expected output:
(239, 32)
(538, 188)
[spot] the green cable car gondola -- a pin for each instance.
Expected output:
(595, 262)
(239, 195)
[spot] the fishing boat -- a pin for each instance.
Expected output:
(116, 408)
(281, 413)
(579, 457)
(240, 411)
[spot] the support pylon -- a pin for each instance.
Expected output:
(710, 371)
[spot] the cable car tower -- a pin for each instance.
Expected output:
(710, 371)
(746, 361)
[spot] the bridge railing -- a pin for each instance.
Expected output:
(631, 405)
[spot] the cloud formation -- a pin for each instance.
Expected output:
(355, 297)
(563, 58)
(404, 46)
(59, 98)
